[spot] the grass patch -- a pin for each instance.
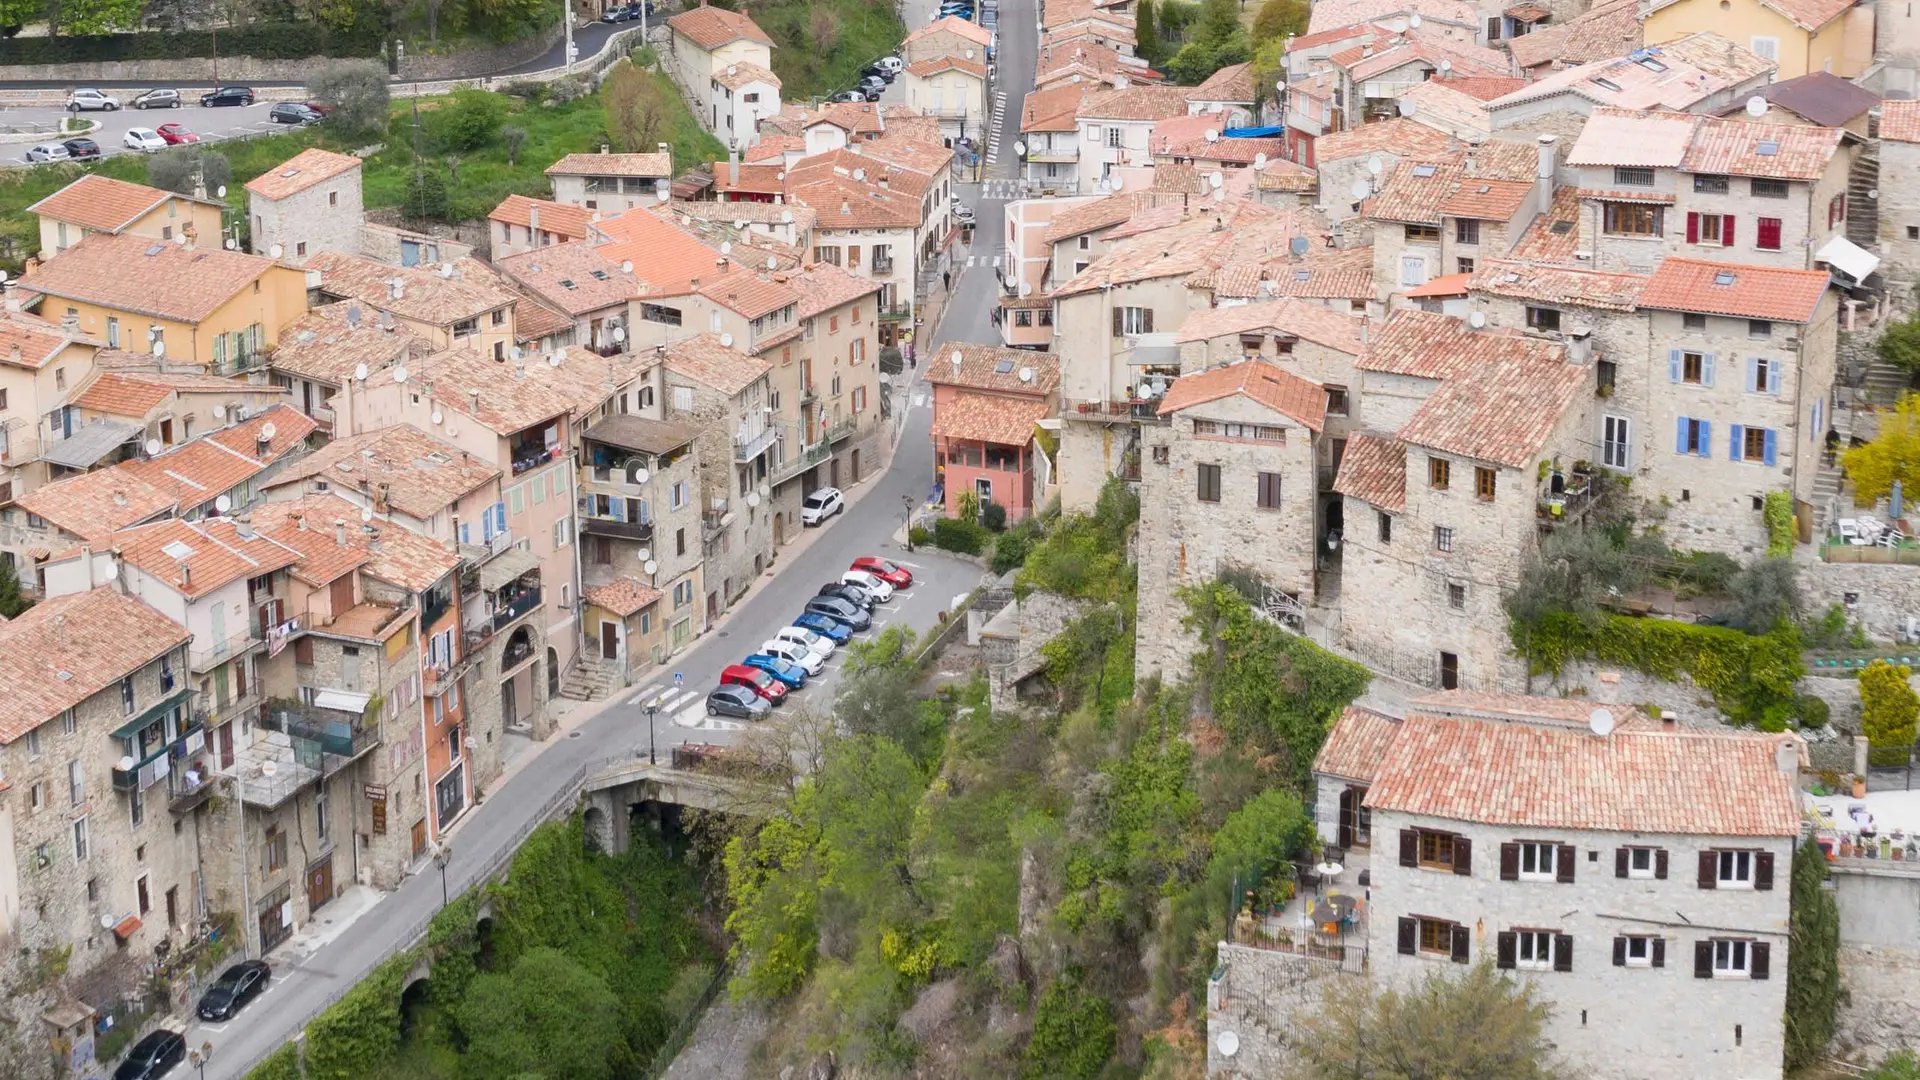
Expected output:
(860, 33)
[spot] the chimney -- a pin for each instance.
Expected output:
(604, 148)
(475, 395)
(533, 219)
(70, 322)
(60, 629)
(186, 574)
(15, 354)
(846, 207)
(340, 531)
(1669, 720)
(1543, 175)
(733, 167)
(884, 184)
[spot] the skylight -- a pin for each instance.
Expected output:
(175, 549)
(1724, 277)
(599, 275)
(1424, 170)
(1303, 275)
(1003, 367)
(1767, 147)
(1651, 64)
(567, 283)
(1607, 84)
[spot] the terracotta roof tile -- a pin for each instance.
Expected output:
(1398, 136)
(92, 505)
(1374, 470)
(1429, 345)
(1089, 216)
(1007, 421)
(1268, 384)
(1231, 83)
(145, 276)
(316, 526)
(200, 471)
(665, 257)
(1555, 235)
(655, 165)
(1900, 121)
(1736, 289)
(1312, 322)
(136, 393)
(1809, 14)
(322, 346)
(1674, 75)
(300, 172)
(1091, 62)
(703, 359)
(575, 277)
(990, 367)
(290, 430)
(61, 652)
(1482, 88)
(1356, 744)
(762, 179)
(952, 24)
(515, 396)
(1134, 103)
(623, 597)
(425, 296)
(852, 117)
(711, 27)
(1503, 773)
(822, 287)
(27, 341)
(1500, 411)
(1608, 28)
(1444, 285)
(936, 65)
(740, 73)
(1505, 704)
(560, 219)
(773, 148)
(101, 203)
(420, 473)
(1438, 105)
(216, 553)
(845, 203)
(1332, 14)
(1280, 174)
(1413, 192)
(1345, 274)
(751, 293)
(1743, 148)
(1495, 200)
(1573, 285)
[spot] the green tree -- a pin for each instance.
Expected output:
(548, 1017)
(426, 198)
(17, 13)
(878, 694)
(1478, 1023)
(513, 137)
(1900, 344)
(1765, 595)
(869, 790)
(1193, 63)
(639, 114)
(11, 602)
(1219, 21)
(773, 900)
(1893, 455)
(467, 120)
(1277, 19)
(1146, 32)
(1572, 572)
(506, 20)
(189, 170)
(357, 90)
(92, 18)
(1813, 964)
(1073, 1033)
(1888, 709)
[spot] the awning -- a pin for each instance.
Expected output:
(1848, 257)
(1154, 350)
(87, 445)
(127, 927)
(133, 727)
(505, 567)
(342, 700)
(1447, 285)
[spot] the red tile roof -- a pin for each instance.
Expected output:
(652, 165)
(1559, 284)
(1744, 148)
(665, 257)
(623, 597)
(980, 368)
(300, 172)
(575, 277)
(1374, 470)
(147, 277)
(1444, 285)
(103, 204)
(1501, 412)
(1503, 773)
(711, 27)
(1429, 345)
(993, 418)
(63, 651)
(706, 361)
(1134, 103)
(419, 473)
(136, 393)
(1268, 384)
(1313, 322)
(1231, 83)
(1900, 121)
(1398, 136)
(560, 219)
(1736, 289)
(1356, 744)
(952, 24)
(1809, 14)
(215, 553)
(936, 65)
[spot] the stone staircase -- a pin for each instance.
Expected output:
(1826, 496)
(1885, 383)
(589, 680)
(1863, 210)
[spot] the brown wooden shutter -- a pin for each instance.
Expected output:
(303, 651)
(1462, 856)
(1620, 856)
(1763, 870)
(1659, 952)
(1409, 847)
(1508, 943)
(1563, 864)
(1509, 862)
(1619, 952)
(1709, 869)
(1409, 935)
(1660, 863)
(1119, 321)
(1146, 320)
(1563, 952)
(1703, 959)
(1462, 944)
(1758, 960)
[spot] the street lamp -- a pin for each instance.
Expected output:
(907, 501)
(199, 1056)
(442, 855)
(653, 706)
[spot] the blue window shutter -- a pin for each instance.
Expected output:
(1706, 439)
(486, 524)
(1733, 453)
(1706, 369)
(1673, 365)
(1680, 440)
(499, 517)
(1770, 448)
(1773, 377)
(466, 532)
(1753, 374)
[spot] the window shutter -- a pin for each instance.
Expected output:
(1409, 848)
(1709, 869)
(1673, 365)
(1758, 960)
(1763, 863)
(1703, 959)
(1562, 952)
(1409, 933)
(1659, 952)
(1462, 944)
(1706, 439)
(1753, 375)
(1770, 447)
(1726, 229)
(1146, 320)
(1693, 227)
(1773, 377)
(499, 517)
(1509, 862)
(1619, 862)
(1680, 439)
(1119, 323)
(1706, 369)
(1660, 864)
(1767, 236)
(1619, 952)
(1508, 944)
(1462, 856)
(1733, 442)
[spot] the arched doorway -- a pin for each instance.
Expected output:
(598, 837)
(553, 673)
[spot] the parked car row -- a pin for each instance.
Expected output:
(160, 1050)
(874, 79)
(794, 654)
(91, 99)
(626, 13)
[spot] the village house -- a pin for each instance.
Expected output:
(986, 404)
(1434, 217)
(1818, 99)
(1607, 29)
(100, 204)
(1115, 127)
(1369, 77)
(1899, 211)
(579, 280)
(1300, 337)
(454, 305)
(1227, 95)
(1700, 73)
(1050, 132)
(322, 353)
(825, 391)
(1073, 20)
(611, 183)
(171, 408)
(866, 226)
(1345, 160)
(1083, 62)
(743, 93)
(950, 36)
(521, 223)
(41, 366)
(723, 56)
(1800, 36)
(953, 89)
(305, 205)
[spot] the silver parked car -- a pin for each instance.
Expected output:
(52, 151)
(87, 99)
(158, 99)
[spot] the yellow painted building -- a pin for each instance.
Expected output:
(40, 370)
(101, 204)
(199, 304)
(1801, 36)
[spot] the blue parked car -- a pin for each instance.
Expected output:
(791, 674)
(832, 629)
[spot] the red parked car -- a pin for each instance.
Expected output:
(177, 134)
(886, 570)
(755, 680)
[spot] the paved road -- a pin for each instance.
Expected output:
(212, 125)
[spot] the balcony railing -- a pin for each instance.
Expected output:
(1053, 156)
(626, 530)
(188, 787)
(240, 365)
(19, 449)
(512, 610)
(892, 312)
(747, 447)
(1114, 412)
(525, 459)
(881, 268)
(219, 652)
(323, 415)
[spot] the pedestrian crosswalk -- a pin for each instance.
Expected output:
(684, 706)
(993, 126)
(1001, 189)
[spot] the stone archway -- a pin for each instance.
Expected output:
(599, 831)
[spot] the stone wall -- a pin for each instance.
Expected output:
(468, 63)
(1693, 706)
(1883, 595)
(1256, 996)
(1880, 1013)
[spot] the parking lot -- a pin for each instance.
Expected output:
(212, 125)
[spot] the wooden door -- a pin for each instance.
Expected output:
(609, 641)
(340, 595)
(419, 837)
(1349, 806)
(319, 883)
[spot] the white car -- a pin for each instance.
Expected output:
(964, 216)
(877, 587)
(891, 63)
(52, 151)
(816, 508)
(87, 99)
(819, 644)
(796, 654)
(143, 139)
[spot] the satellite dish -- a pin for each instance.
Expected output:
(1414, 21)
(219, 412)
(1873, 193)
(3, 277)
(1026, 374)
(662, 194)
(859, 174)
(765, 489)
(1398, 26)
(740, 223)
(268, 431)
(1020, 149)
(232, 245)
(1216, 179)
(773, 263)
(1477, 319)
(619, 334)
(1359, 189)
(786, 217)
(626, 266)
(753, 498)
(726, 341)
(360, 372)
(223, 504)
(181, 240)
(159, 348)
(1228, 1043)
(153, 447)
(553, 359)
(958, 358)
(519, 353)
(106, 920)
(651, 567)
(275, 250)
(400, 374)
(1405, 107)
(646, 554)
(1446, 66)
(436, 416)
(1118, 181)
(1260, 160)
(366, 513)
(1213, 135)
(1600, 722)
(268, 768)
(1374, 165)
(1299, 245)
(726, 247)
(969, 54)
(1026, 288)
(1756, 106)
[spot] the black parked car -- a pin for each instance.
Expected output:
(235, 987)
(153, 1056)
(228, 95)
(292, 112)
(736, 701)
(875, 71)
(851, 593)
(82, 149)
(842, 611)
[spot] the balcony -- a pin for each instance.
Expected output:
(212, 656)
(892, 312)
(1137, 410)
(1052, 155)
(881, 268)
(527, 457)
(625, 530)
(747, 446)
(241, 364)
(324, 417)
(715, 519)
(513, 604)
(189, 787)
(16, 449)
(208, 710)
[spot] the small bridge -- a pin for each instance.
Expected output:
(612, 794)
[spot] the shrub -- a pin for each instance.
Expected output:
(919, 537)
(359, 1032)
(357, 90)
(468, 120)
(1900, 344)
(282, 1064)
(1073, 1033)
(183, 168)
(265, 40)
(1778, 511)
(1888, 709)
(1010, 548)
(1814, 712)
(994, 517)
(529, 91)
(426, 196)
(957, 534)
(1765, 595)
(1813, 964)
(890, 360)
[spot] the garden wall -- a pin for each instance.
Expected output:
(1886, 593)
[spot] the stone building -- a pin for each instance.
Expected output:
(521, 223)
(454, 305)
(1115, 127)
(1301, 337)
(1899, 213)
(611, 183)
(576, 278)
(1434, 216)
(322, 352)
(1229, 480)
(305, 205)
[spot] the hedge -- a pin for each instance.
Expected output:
(956, 534)
(266, 41)
(1751, 678)
(360, 1032)
(282, 1064)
